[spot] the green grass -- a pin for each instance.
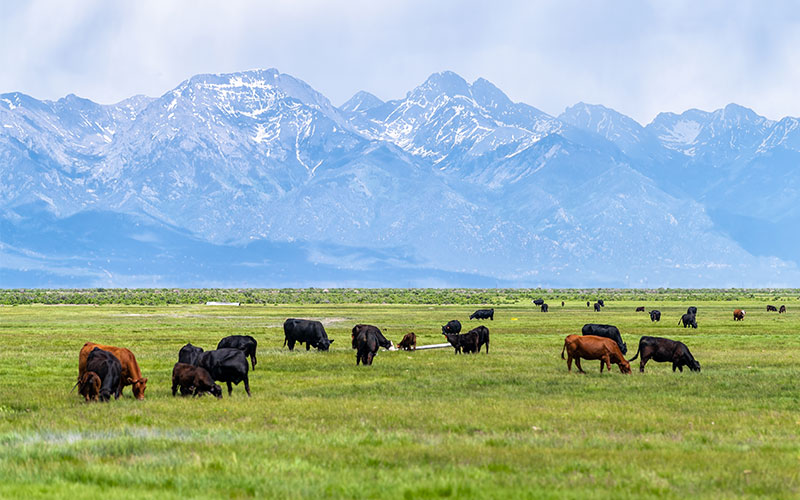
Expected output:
(513, 424)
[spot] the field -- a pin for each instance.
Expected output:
(428, 424)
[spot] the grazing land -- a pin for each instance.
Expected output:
(427, 424)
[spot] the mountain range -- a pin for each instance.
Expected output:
(256, 179)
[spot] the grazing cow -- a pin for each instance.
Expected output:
(409, 342)
(545, 308)
(782, 310)
(131, 374)
(366, 340)
(655, 315)
(738, 314)
(189, 354)
(466, 343)
(538, 302)
(193, 380)
(691, 310)
(772, 309)
(483, 337)
(688, 320)
(453, 326)
(483, 314)
(600, 301)
(305, 330)
(593, 347)
(226, 365)
(89, 386)
(562, 303)
(587, 304)
(244, 343)
(665, 350)
(606, 331)
(596, 307)
(108, 368)
(640, 309)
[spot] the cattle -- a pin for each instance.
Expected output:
(189, 354)
(89, 386)
(655, 315)
(691, 310)
(688, 320)
(131, 374)
(606, 331)
(366, 340)
(108, 368)
(466, 343)
(193, 380)
(483, 314)
(226, 365)
(600, 301)
(244, 343)
(545, 308)
(665, 350)
(771, 308)
(305, 330)
(453, 326)
(738, 314)
(587, 304)
(538, 302)
(483, 337)
(562, 303)
(594, 347)
(640, 309)
(409, 342)
(782, 310)
(596, 307)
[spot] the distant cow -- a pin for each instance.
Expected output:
(244, 343)
(640, 309)
(226, 365)
(545, 308)
(538, 302)
(483, 314)
(593, 347)
(189, 354)
(89, 386)
(562, 303)
(607, 331)
(597, 307)
(600, 301)
(688, 320)
(587, 304)
(772, 309)
(655, 315)
(782, 310)
(483, 337)
(738, 314)
(665, 350)
(366, 340)
(691, 310)
(305, 330)
(131, 374)
(108, 369)
(409, 342)
(453, 326)
(193, 380)
(466, 343)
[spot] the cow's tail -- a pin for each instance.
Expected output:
(74, 386)
(637, 353)
(679, 320)
(285, 339)
(563, 349)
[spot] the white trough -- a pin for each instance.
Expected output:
(433, 346)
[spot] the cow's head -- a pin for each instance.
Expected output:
(216, 390)
(324, 344)
(138, 387)
(693, 364)
(89, 386)
(624, 366)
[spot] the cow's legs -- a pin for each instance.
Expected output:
(291, 344)
(230, 389)
(569, 362)
(308, 346)
(253, 360)
(607, 360)
(578, 364)
(642, 363)
(247, 385)
(174, 388)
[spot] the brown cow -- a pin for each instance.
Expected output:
(89, 386)
(131, 374)
(594, 347)
(738, 314)
(409, 342)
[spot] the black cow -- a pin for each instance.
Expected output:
(226, 365)
(466, 343)
(688, 320)
(665, 350)
(193, 379)
(655, 315)
(562, 303)
(305, 330)
(588, 304)
(453, 326)
(607, 331)
(483, 337)
(545, 308)
(640, 309)
(691, 310)
(483, 314)
(244, 343)
(772, 309)
(538, 302)
(109, 369)
(600, 301)
(366, 340)
(597, 307)
(782, 310)
(189, 354)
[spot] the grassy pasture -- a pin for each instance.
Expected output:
(513, 424)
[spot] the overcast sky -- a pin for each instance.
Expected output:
(637, 57)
